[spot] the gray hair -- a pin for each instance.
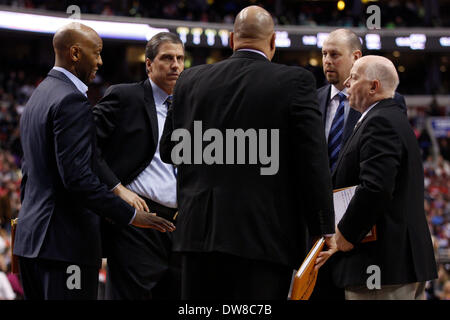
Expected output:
(152, 47)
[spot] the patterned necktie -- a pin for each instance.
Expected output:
(336, 131)
(168, 101)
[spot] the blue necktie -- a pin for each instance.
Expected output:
(336, 131)
(168, 101)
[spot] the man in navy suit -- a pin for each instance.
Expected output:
(58, 237)
(340, 50)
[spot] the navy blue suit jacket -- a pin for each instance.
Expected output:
(59, 186)
(323, 95)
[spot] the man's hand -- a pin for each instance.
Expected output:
(151, 220)
(341, 243)
(330, 243)
(131, 198)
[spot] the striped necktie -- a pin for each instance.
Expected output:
(336, 131)
(168, 101)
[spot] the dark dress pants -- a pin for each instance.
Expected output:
(44, 279)
(218, 276)
(141, 264)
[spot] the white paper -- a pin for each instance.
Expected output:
(341, 200)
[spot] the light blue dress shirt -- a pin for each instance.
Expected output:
(157, 182)
(77, 82)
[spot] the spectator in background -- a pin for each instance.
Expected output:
(6, 291)
(397, 13)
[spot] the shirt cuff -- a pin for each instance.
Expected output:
(134, 216)
(115, 187)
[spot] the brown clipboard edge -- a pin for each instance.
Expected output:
(310, 286)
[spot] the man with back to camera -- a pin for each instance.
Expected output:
(340, 50)
(242, 233)
(382, 158)
(57, 235)
(130, 119)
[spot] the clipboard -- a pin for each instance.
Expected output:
(306, 276)
(341, 200)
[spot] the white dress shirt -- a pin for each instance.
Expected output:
(157, 182)
(333, 104)
(77, 82)
(365, 112)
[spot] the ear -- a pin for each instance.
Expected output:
(148, 63)
(231, 40)
(347, 82)
(375, 86)
(356, 55)
(272, 41)
(75, 53)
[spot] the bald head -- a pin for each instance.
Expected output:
(77, 49)
(72, 34)
(253, 23)
(381, 69)
(372, 78)
(254, 29)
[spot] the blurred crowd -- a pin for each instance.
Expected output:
(16, 88)
(427, 13)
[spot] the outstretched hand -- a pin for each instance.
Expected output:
(151, 220)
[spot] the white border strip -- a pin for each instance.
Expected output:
(49, 24)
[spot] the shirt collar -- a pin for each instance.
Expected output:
(255, 51)
(367, 110)
(159, 95)
(77, 82)
(335, 91)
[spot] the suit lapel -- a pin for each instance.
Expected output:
(323, 98)
(380, 104)
(349, 141)
(150, 109)
(352, 119)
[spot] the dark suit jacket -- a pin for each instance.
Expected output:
(232, 208)
(382, 158)
(323, 94)
(59, 186)
(127, 132)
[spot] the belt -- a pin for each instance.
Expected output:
(167, 213)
